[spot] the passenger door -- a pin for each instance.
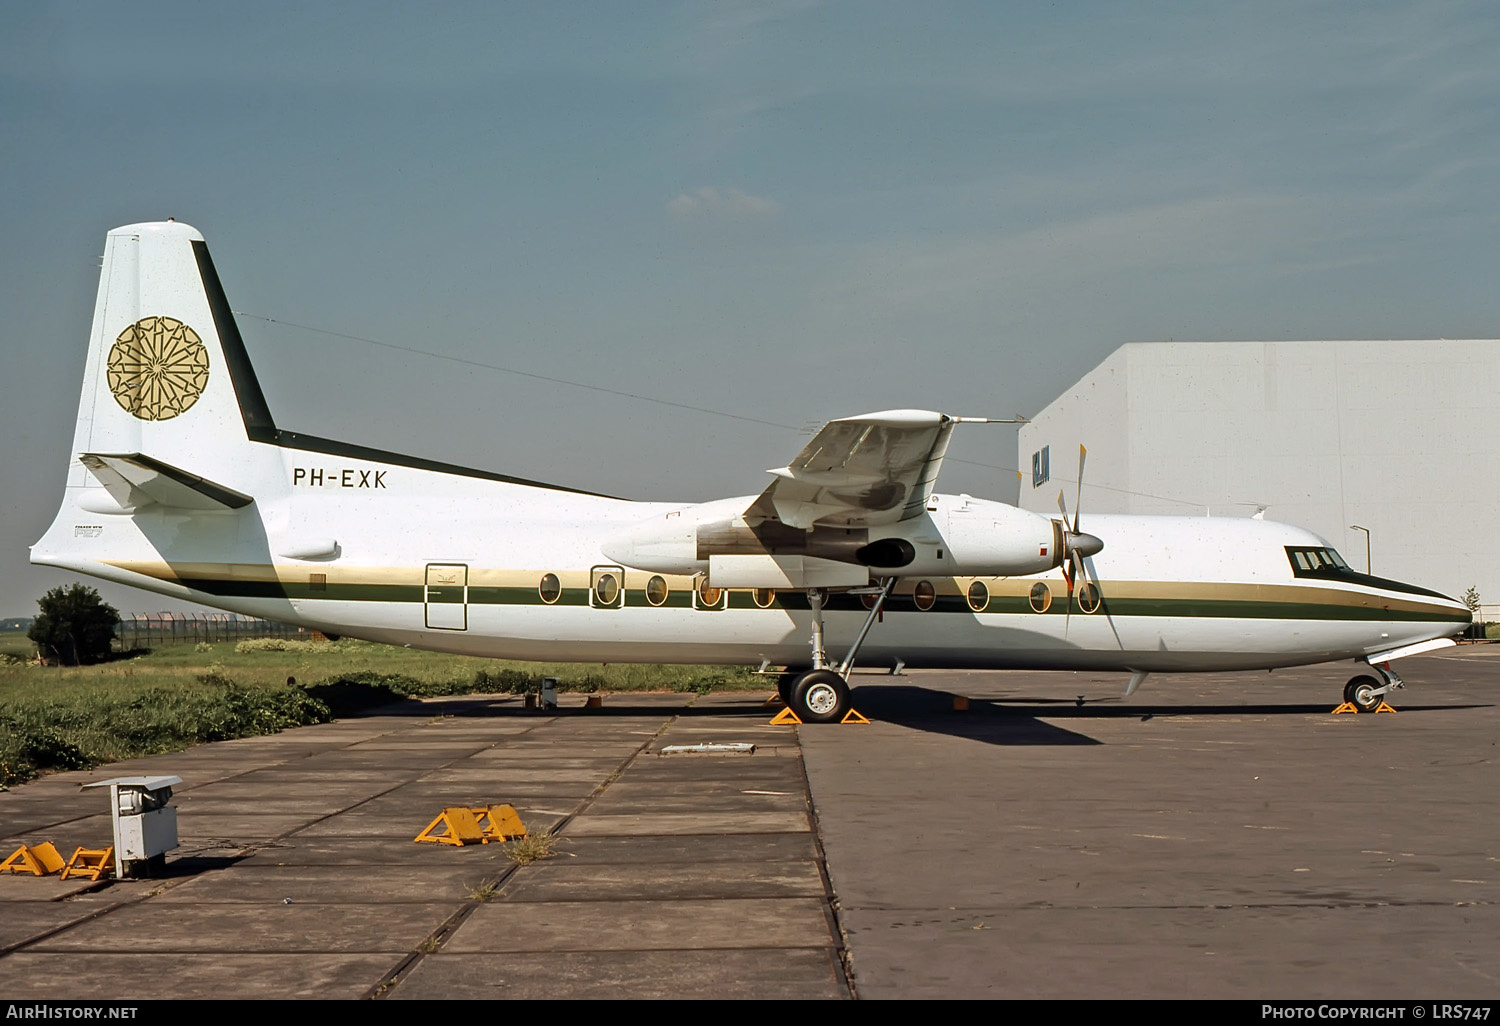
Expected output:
(446, 596)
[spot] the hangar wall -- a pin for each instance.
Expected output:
(1394, 436)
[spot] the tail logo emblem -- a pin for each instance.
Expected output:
(158, 368)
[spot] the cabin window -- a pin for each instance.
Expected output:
(925, 595)
(606, 589)
(764, 597)
(656, 590)
(707, 597)
(1041, 597)
(1089, 598)
(550, 589)
(979, 596)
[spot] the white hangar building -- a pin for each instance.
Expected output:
(1397, 438)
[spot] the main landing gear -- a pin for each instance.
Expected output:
(1366, 693)
(816, 696)
(821, 694)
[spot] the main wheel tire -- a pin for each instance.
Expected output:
(820, 696)
(1360, 692)
(784, 685)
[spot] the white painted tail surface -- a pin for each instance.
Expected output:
(162, 379)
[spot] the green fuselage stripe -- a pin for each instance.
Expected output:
(1368, 609)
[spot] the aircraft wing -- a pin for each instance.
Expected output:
(134, 480)
(878, 468)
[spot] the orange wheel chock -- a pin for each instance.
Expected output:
(38, 860)
(466, 825)
(89, 862)
(1350, 707)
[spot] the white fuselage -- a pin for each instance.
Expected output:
(440, 561)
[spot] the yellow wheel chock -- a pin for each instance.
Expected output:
(465, 825)
(786, 717)
(90, 862)
(1350, 707)
(501, 823)
(38, 860)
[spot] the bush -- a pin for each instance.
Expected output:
(285, 645)
(27, 749)
(74, 626)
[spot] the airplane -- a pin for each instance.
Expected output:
(181, 483)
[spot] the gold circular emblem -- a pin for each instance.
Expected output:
(158, 368)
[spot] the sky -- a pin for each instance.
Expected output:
(644, 248)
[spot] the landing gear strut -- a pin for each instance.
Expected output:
(821, 694)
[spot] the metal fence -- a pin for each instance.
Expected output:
(143, 630)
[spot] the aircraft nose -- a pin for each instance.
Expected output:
(1084, 544)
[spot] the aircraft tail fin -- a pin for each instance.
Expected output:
(167, 376)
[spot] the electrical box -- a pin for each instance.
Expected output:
(145, 825)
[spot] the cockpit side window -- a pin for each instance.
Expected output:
(1311, 562)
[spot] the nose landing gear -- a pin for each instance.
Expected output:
(1367, 694)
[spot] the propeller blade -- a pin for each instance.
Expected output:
(1078, 506)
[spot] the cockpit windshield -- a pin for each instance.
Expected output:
(1317, 562)
(1326, 564)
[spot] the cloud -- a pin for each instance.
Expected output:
(725, 205)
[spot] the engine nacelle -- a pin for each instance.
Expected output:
(668, 542)
(967, 537)
(957, 536)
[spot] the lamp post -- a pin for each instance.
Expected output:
(1356, 527)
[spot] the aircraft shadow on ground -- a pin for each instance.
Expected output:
(1018, 720)
(614, 704)
(1012, 720)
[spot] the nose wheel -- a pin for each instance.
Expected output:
(1367, 693)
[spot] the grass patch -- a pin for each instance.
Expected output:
(485, 891)
(16, 647)
(142, 703)
(531, 848)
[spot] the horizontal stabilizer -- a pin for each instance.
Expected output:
(134, 480)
